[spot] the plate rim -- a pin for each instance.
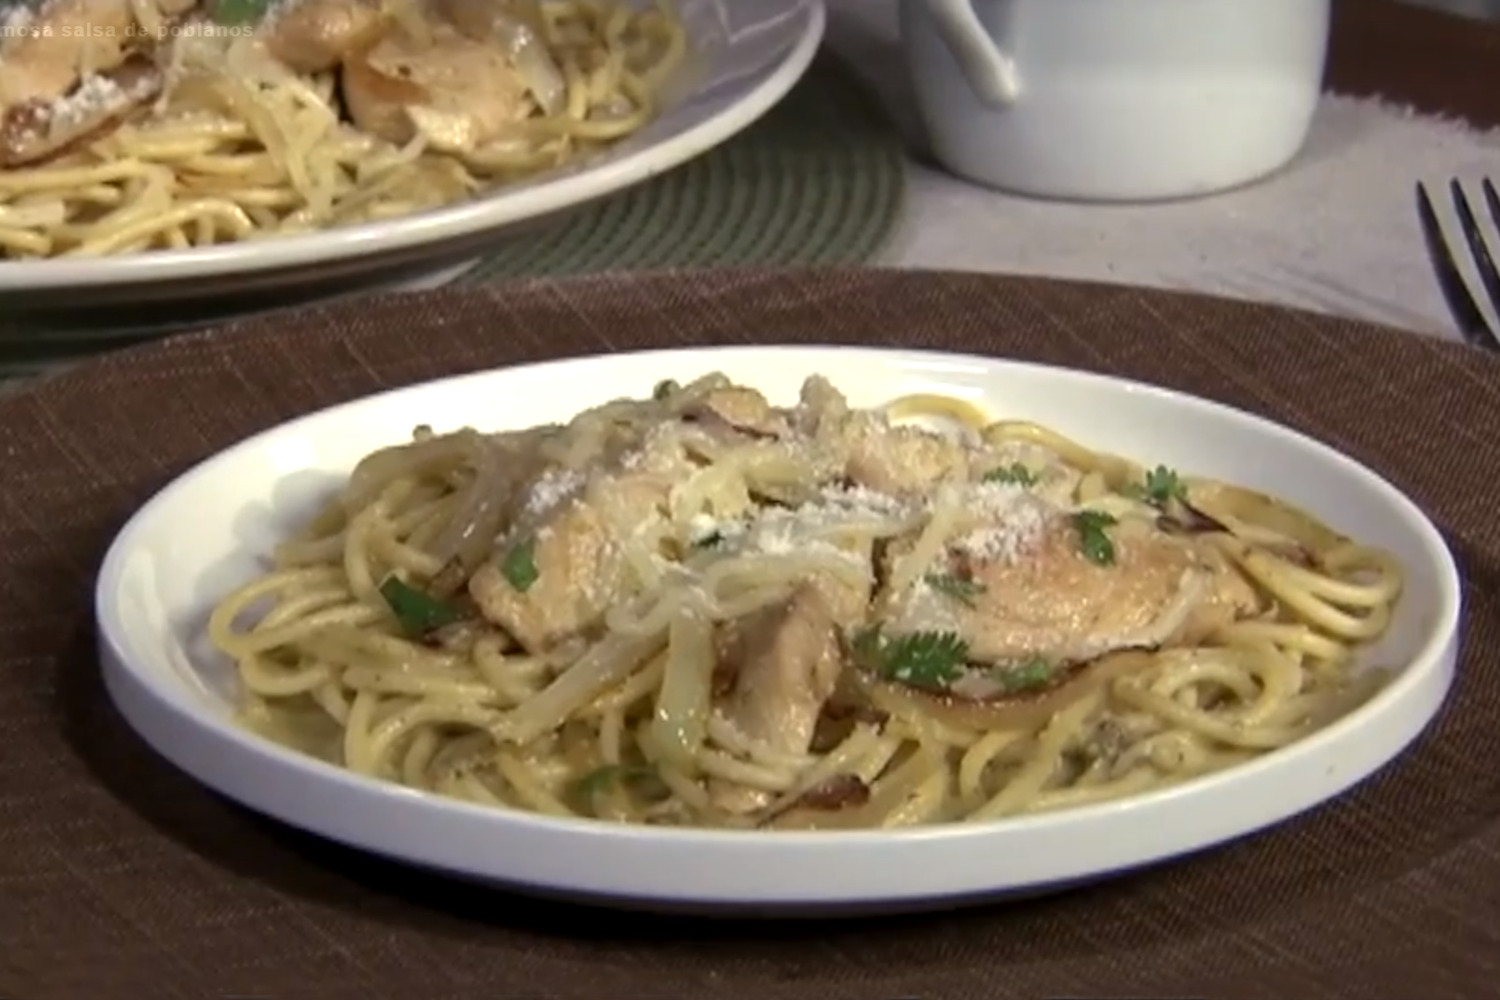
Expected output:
(492, 213)
(1430, 674)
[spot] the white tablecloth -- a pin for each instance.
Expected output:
(1335, 232)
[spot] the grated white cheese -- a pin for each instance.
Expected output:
(552, 488)
(785, 533)
(704, 528)
(660, 450)
(94, 95)
(1015, 521)
(17, 21)
(993, 499)
(781, 531)
(776, 540)
(861, 500)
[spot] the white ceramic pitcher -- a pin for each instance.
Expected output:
(1116, 100)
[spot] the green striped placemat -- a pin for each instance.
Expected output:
(818, 180)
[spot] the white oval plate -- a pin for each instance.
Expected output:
(745, 57)
(209, 530)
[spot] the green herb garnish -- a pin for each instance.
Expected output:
(602, 778)
(664, 389)
(1015, 473)
(956, 587)
(932, 660)
(1092, 538)
(1025, 675)
(417, 613)
(235, 12)
(519, 565)
(709, 541)
(1162, 484)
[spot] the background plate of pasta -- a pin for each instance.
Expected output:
(780, 627)
(159, 147)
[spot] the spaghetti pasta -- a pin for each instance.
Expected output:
(703, 609)
(129, 125)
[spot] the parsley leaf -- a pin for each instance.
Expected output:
(519, 565)
(417, 613)
(602, 778)
(1025, 675)
(237, 12)
(931, 660)
(1161, 485)
(664, 389)
(956, 587)
(1095, 542)
(1015, 473)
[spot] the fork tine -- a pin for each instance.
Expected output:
(1492, 201)
(1474, 236)
(1471, 321)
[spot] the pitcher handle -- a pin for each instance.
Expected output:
(990, 72)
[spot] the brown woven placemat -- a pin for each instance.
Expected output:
(119, 877)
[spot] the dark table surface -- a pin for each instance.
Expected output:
(1489, 9)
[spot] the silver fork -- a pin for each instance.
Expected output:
(1475, 328)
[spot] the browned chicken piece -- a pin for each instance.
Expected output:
(64, 40)
(847, 603)
(743, 409)
(896, 461)
(900, 461)
(563, 568)
(578, 570)
(777, 668)
(1036, 468)
(312, 36)
(1051, 600)
(457, 93)
(786, 660)
(517, 29)
(38, 130)
(820, 411)
(72, 73)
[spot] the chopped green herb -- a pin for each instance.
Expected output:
(233, 12)
(1015, 473)
(602, 778)
(1092, 538)
(519, 565)
(709, 541)
(416, 612)
(932, 660)
(1162, 484)
(1025, 675)
(955, 587)
(664, 389)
